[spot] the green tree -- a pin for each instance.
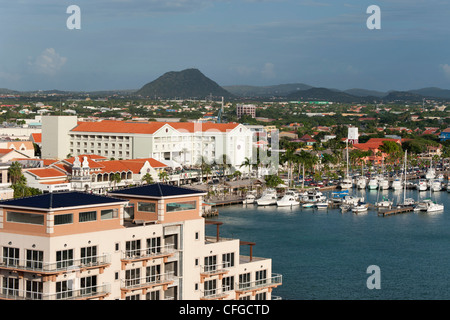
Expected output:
(147, 178)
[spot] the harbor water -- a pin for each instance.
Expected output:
(324, 254)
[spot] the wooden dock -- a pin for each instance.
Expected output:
(395, 211)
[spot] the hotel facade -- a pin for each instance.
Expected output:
(182, 142)
(146, 242)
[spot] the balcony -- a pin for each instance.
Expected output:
(216, 294)
(52, 269)
(214, 270)
(94, 292)
(254, 286)
(146, 283)
(145, 255)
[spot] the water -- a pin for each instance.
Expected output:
(324, 254)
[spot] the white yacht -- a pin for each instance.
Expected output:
(431, 173)
(384, 204)
(288, 200)
(312, 196)
(346, 183)
(322, 205)
(362, 207)
(361, 182)
(350, 200)
(436, 185)
(435, 207)
(373, 183)
(268, 198)
(396, 184)
(383, 183)
(250, 198)
(422, 185)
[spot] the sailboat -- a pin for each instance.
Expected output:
(407, 202)
(346, 182)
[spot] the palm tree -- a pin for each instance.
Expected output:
(247, 163)
(163, 176)
(115, 179)
(147, 178)
(15, 172)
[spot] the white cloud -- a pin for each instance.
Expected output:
(446, 69)
(49, 62)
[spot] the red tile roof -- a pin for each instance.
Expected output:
(112, 126)
(37, 137)
(46, 172)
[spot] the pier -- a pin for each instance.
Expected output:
(395, 211)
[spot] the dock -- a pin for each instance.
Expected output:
(395, 211)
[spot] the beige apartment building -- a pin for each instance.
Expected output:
(145, 242)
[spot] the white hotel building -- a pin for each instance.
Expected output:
(182, 142)
(141, 243)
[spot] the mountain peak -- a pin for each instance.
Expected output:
(185, 84)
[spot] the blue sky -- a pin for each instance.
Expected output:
(123, 44)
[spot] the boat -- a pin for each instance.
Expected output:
(322, 205)
(250, 198)
(407, 202)
(361, 182)
(431, 173)
(338, 196)
(347, 182)
(346, 207)
(384, 204)
(361, 207)
(352, 200)
(436, 185)
(434, 207)
(422, 185)
(396, 184)
(373, 183)
(312, 196)
(308, 205)
(422, 205)
(268, 198)
(383, 183)
(288, 200)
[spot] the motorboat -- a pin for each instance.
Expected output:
(383, 183)
(322, 205)
(384, 204)
(268, 198)
(430, 174)
(422, 205)
(435, 207)
(312, 196)
(361, 183)
(422, 185)
(352, 200)
(338, 196)
(373, 183)
(250, 198)
(436, 185)
(396, 184)
(362, 207)
(288, 200)
(308, 205)
(346, 184)
(408, 202)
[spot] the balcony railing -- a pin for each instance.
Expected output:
(273, 281)
(149, 252)
(92, 292)
(218, 293)
(53, 267)
(148, 281)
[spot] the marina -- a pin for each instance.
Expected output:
(324, 253)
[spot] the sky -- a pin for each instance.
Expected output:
(124, 44)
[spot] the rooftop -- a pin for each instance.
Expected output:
(60, 200)
(158, 190)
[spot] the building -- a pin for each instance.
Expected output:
(445, 135)
(183, 142)
(353, 136)
(147, 242)
(245, 109)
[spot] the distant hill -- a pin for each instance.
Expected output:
(402, 96)
(186, 84)
(280, 90)
(365, 93)
(432, 92)
(324, 94)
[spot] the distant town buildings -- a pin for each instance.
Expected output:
(246, 109)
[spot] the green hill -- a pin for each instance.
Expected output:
(186, 84)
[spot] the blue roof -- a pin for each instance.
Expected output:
(157, 190)
(60, 200)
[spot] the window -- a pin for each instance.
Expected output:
(133, 248)
(89, 255)
(132, 277)
(210, 287)
(63, 289)
(196, 236)
(153, 295)
(87, 216)
(261, 277)
(181, 206)
(228, 283)
(153, 274)
(10, 286)
(146, 206)
(210, 264)
(261, 296)
(244, 280)
(10, 256)
(34, 290)
(64, 258)
(153, 245)
(109, 214)
(22, 217)
(34, 259)
(228, 260)
(88, 285)
(63, 219)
